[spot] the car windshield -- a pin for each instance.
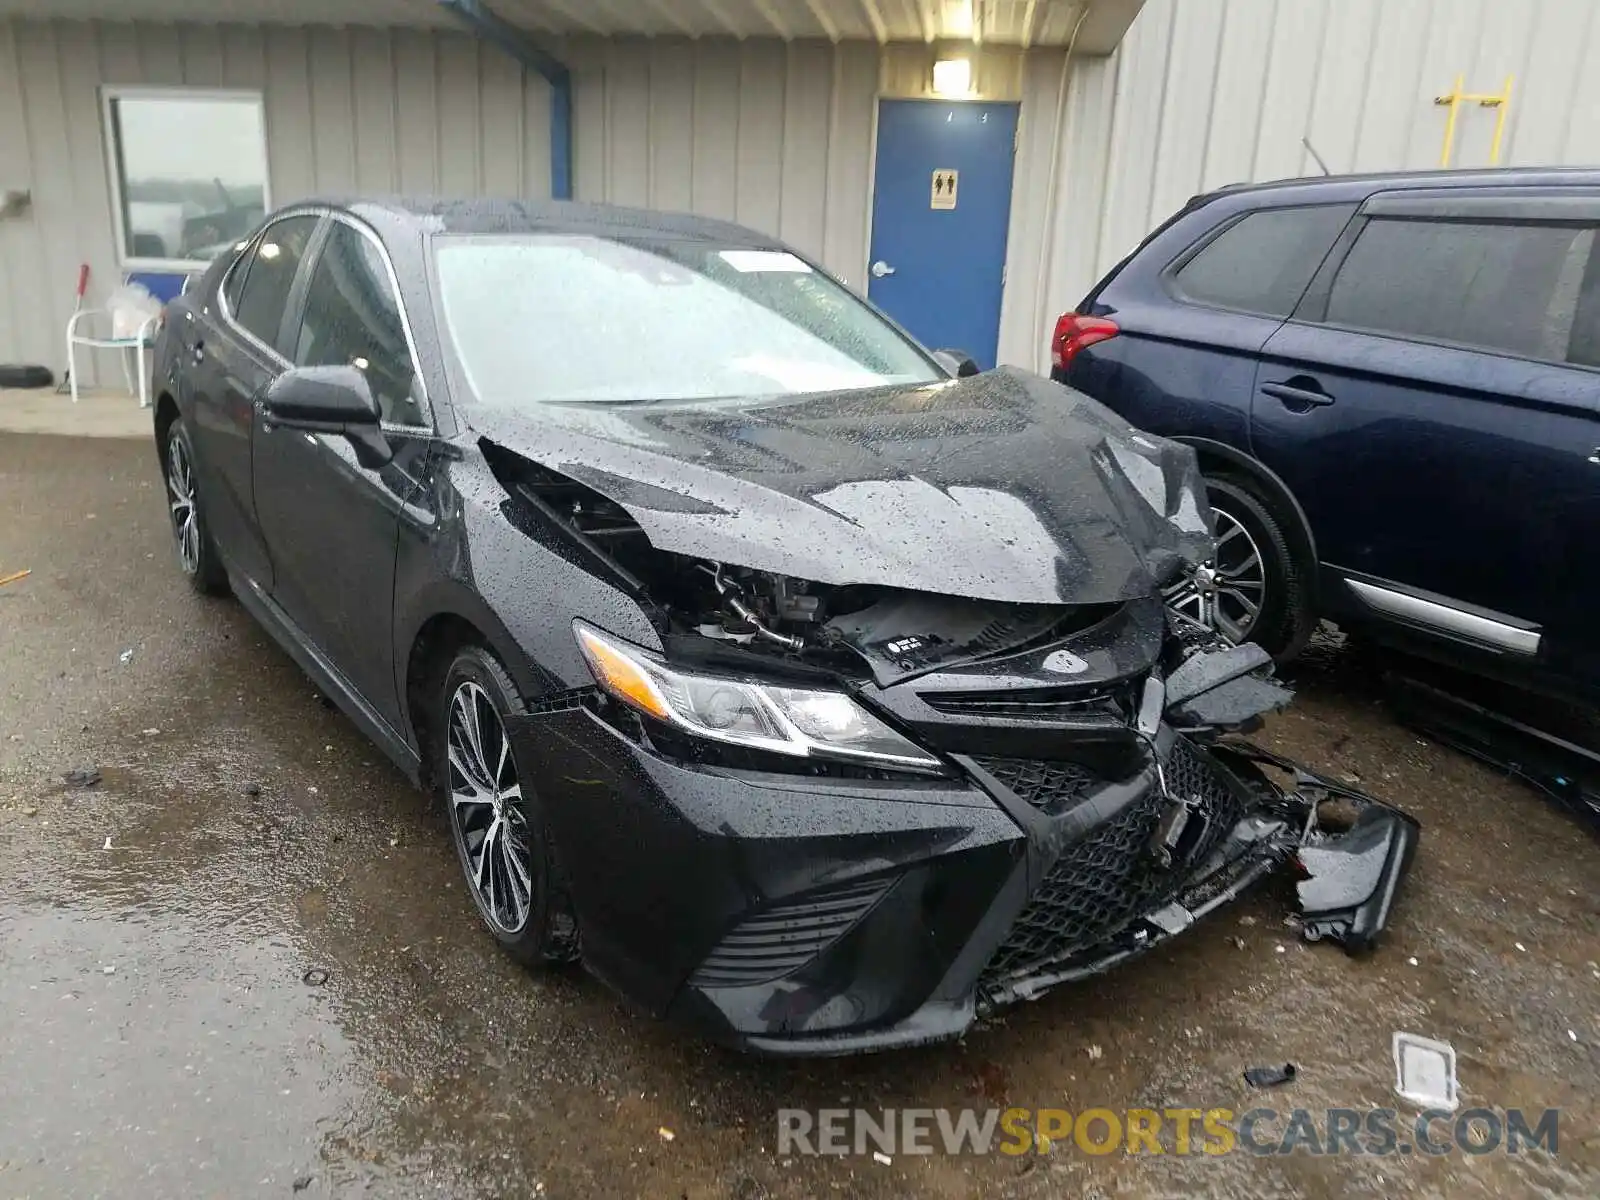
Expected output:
(564, 318)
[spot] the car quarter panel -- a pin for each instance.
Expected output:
(216, 375)
(1175, 367)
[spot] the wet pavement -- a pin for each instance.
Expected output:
(243, 963)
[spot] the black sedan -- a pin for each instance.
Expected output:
(808, 689)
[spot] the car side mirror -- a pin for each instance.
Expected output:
(330, 400)
(958, 362)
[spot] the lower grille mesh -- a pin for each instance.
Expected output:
(1108, 879)
(786, 936)
(1051, 787)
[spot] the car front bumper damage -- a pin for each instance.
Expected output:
(820, 915)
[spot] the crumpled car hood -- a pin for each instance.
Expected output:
(1001, 486)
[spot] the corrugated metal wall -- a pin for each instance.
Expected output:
(777, 136)
(346, 110)
(1207, 92)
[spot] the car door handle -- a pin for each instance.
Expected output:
(1300, 399)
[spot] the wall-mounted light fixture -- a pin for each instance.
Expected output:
(952, 77)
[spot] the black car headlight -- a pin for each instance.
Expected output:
(801, 722)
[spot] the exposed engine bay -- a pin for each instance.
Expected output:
(895, 633)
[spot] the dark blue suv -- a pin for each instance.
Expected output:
(1393, 384)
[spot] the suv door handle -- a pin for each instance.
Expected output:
(1299, 399)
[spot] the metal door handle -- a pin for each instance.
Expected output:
(1297, 397)
(880, 269)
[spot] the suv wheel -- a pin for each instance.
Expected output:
(496, 821)
(1254, 590)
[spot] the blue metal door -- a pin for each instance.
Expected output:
(940, 210)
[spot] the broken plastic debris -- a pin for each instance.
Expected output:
(665, 1134)
(1425, 1071)
(125, 657)
(1352, 879)
(108, 842)
(1265, 1077)
(1094, 1052)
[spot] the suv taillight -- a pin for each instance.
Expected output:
(1074, 332)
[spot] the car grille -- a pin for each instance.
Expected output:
(1037, 704)
(1109, 878)
(1051, 787)
(786, 936)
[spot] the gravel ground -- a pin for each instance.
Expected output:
(243, 964)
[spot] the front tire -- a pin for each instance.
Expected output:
(197, 554)
(496, 820)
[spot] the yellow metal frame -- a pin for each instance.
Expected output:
(1456, 97)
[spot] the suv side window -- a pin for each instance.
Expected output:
(1512, 287)
(352, 318)
(1263, 263)
(1584, 349)
(273, 263)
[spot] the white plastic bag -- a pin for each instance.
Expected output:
(131, 305)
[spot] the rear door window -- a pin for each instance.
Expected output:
(1263, 263)
(274, 260)
(1511, 287)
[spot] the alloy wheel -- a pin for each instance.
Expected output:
(487, 809)
(1227, 593)
(181, 500)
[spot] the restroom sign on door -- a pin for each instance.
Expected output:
(944, 188)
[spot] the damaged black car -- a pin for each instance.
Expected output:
(808, 690)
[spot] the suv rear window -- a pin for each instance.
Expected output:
(1263, 263)
(1491, 285)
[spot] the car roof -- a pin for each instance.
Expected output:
(440, 215)
(1337, 187)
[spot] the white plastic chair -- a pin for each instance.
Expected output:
(140, 341)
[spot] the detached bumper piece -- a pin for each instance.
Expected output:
(1351, 879)
(1157, 865)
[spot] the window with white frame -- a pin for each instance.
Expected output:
(188, 172)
